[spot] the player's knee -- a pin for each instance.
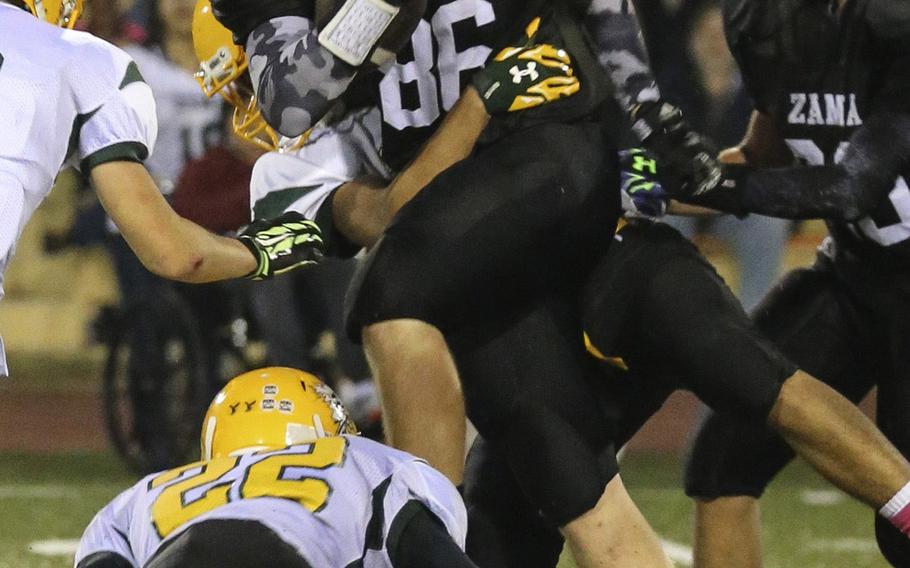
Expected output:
(541, 465)
(713, 470)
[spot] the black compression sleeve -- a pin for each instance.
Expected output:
(879, 152)
(104, 560)
(418, 539)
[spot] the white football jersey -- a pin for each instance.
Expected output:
(333, 155)
(320, 498)
(64, 95)
(189, 123)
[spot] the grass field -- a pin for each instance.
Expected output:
(47, 500)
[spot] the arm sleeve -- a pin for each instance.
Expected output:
(416, 487)
(123, 128)
(879, 152)
(296, 79)
(615, 30)
(105, 542)
(423, 541)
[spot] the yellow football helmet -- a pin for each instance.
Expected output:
(272, 407)
(223, 70)
(63, 13)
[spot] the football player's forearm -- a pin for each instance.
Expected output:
(878, 153)
(164, 242)
(453, 142)
(293, 91)
(621, 52)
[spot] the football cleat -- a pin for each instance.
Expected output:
(223, 71)
(63, 13)
(272, 408)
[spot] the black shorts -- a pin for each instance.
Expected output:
(844, 322)
(657, 303)
(507, 225)
(227, 543)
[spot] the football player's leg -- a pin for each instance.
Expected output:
(505, 530)
(530, 392)
(733, 460)
(893, 418)
(480, 239)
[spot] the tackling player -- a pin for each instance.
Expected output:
(831, 86)
(453, 141)
(284, 481)
(71, 98)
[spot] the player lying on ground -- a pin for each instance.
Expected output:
(71, 98)
(284, 481)
(657, 303)
(831, 88)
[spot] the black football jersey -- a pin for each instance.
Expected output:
(453, 40)
(820, 74)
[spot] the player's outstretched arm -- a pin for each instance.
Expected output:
(178, 249)
(166, 243)
(687, 159)
(878, 152)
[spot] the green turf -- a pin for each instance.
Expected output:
(54, 497)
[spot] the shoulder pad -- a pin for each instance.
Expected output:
(889, 20)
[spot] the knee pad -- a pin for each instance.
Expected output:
(563, 470)
(734, 458)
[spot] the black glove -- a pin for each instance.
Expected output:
(244, 16)
(526, 76)
(642, 193)
(282, 244)
(688, 163)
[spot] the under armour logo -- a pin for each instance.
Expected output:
(519, 74)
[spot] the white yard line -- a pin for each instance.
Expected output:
(822, 497)
(857, 545)
(54, 547)
(36, 491)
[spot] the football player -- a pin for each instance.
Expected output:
(657, 303)
(283, 481)
(71, 98)
(453, 141)
(830, 139)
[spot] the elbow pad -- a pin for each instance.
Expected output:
(367, 31)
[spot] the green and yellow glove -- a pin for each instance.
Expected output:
(526, 76)
(282, 244)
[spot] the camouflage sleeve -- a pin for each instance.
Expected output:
(620, 50)
(296, 79)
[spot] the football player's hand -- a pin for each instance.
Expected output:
(244, 16)
(282, 244)
(689, 166)
(526, 76)
(642, 193)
